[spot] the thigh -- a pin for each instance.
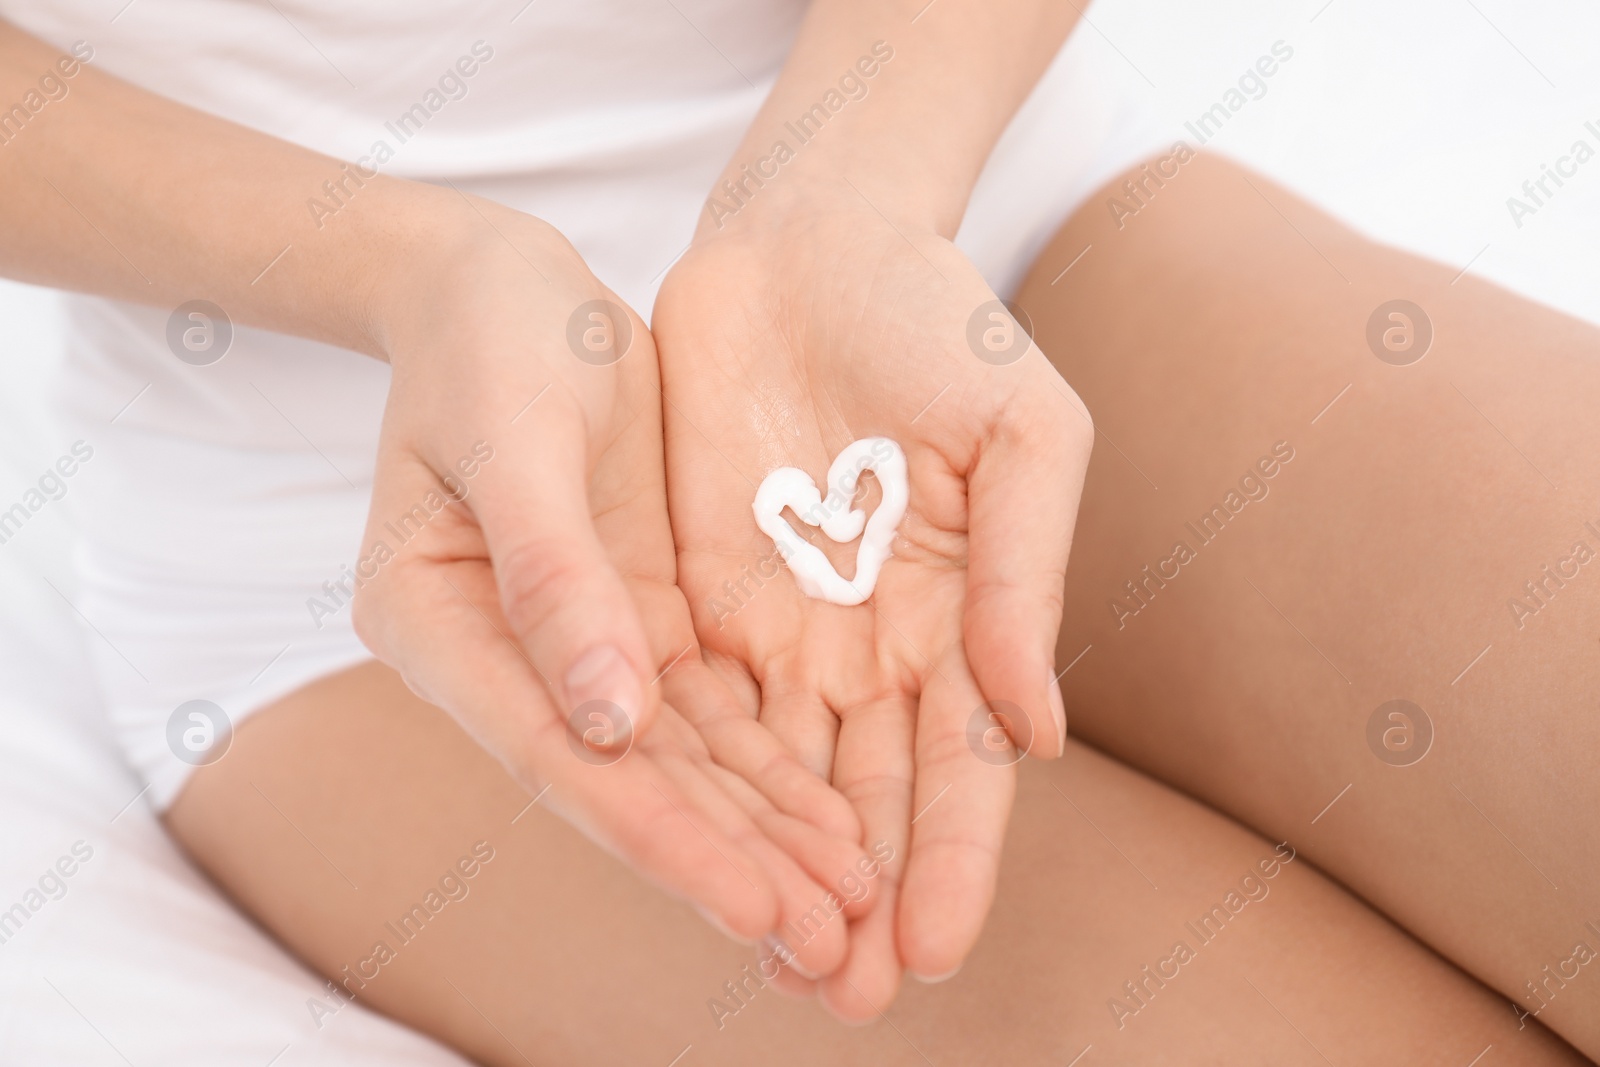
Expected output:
(1129, 918)
(1336, 566)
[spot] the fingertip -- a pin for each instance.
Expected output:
(860, 908)
(817, 940)
(940, 918)
(1058, 713)
(859, 996)
(739, 909)
(847, 1006)
(937, 978)
(746, 920)
(931, 958)
(1050, 735)
(762, 913)
(720, 926)
(865, 987)
(790, 984)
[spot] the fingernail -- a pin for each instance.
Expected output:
(604, 673)
(1059, 710)
(774, 947)
(721, 927)
(936, 979)
(780, 950)
(795, 966)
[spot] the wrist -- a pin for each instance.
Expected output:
(877, 107)
(756, 195)
(374, 257)
(440, 254)
(853, 123)
(839, 132)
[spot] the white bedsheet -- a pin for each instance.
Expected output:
(134, 958)
(1413, 125)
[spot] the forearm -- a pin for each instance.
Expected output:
(108, 189)
(903, 113)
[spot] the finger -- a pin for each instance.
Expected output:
(1023, 495)
(833, 864)
(831, 861)
(748, 749)
(810, 922)
(566, 604)
(965, 784)
(873, 768)
(797, 716)
(786, 981)
(474, 669)
(867, 984)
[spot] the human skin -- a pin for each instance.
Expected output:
(107, 192)
(559, 954)
(825, 304)
(1382, 563)
(1102, 866)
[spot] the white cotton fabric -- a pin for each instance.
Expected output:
(134, 957)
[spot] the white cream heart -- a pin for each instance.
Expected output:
(793, 488)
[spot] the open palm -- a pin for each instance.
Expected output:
(692, 795)
(779, 347)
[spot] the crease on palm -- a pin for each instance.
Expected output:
(832, 342)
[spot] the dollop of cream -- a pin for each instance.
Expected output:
(790, 487)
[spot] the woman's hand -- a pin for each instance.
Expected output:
(805, 326)
(517, 570)
(519, 605)
(823, 302)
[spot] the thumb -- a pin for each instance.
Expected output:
(564, 599)
(1023, 497)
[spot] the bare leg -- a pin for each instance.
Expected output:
(559, 955)
(1387, 562)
